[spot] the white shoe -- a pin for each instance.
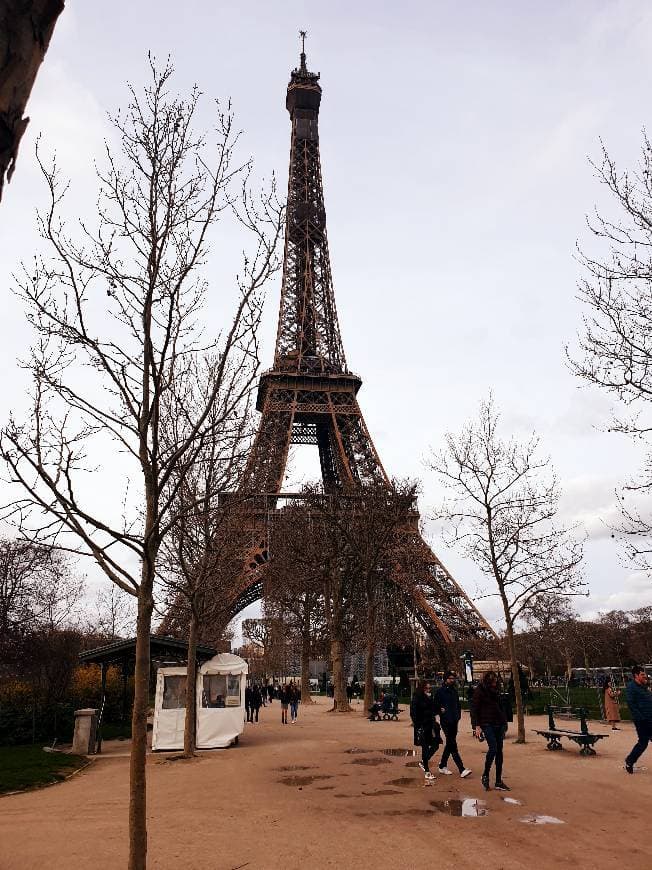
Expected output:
(445, 771)
(466, 772)
(429, 775)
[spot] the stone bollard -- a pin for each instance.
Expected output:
(83, 741)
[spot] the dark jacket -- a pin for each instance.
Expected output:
(248, 696)
(639, 699)
(422, 710)
(256, 697)
(284, 695)
(447, 705)
(486, 708)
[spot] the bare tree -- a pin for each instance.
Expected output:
(116, 316)
(502, 509)
(26, 27)
(205, 551)
(115, 614)
(375, 530)
(293, 591)
(615, 347)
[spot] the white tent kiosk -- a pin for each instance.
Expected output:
(220, 704)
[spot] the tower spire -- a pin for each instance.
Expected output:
(303, 68)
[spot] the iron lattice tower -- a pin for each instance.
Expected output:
(310, 396)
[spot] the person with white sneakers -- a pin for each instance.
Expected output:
(422, 713)
(447, 705)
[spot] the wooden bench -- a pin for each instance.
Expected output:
(584, 739)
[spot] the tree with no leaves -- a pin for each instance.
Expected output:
(502, 509)
(615, 348)
(115, 310)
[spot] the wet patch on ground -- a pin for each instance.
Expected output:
(356, 751)
(412, 764)
(290, 767)
(416, 811)
(303, 780)
(399, 753)
(535, 819)
(381, 791)
(324, 787)
(370, 762)
(466, 807)
(403, 781)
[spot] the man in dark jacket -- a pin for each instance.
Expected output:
(639, 700)
(256, 700)
(447, 704)
(488, 718)
(248, 704)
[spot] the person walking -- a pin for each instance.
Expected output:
(611, 704)
(639, 701)
(422, 713)
(447, 705)
(248, 703)
(270, 693)
(256, 701)
(488, 719)
(284, 696)
(293, 696)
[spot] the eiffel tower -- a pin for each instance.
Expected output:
(309, 396)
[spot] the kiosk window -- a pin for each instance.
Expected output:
(214, 690)
(233, 690)
(174, 693)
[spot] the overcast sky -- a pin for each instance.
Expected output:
(455, 141)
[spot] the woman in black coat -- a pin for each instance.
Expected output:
(488, 718)
(422, 713)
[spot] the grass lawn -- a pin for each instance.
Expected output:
(29, 766)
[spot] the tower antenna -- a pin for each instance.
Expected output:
(302, 35)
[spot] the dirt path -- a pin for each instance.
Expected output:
(293, 797)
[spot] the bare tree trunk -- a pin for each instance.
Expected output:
(305, 668)
(340, 701)
(368, 676)
(26, 27)
(190, 725)
(138, 759)
(516, 679)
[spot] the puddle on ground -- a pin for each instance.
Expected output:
(410, 812)
(405, 780)
(324, 787)
(344, 795)
(303, 780)
(509, 800)
(534, 819)
(381, 791)
(412, 764)
(467, 807)
(370, 762)
(356, 751)
(291, 767)
(401, 753)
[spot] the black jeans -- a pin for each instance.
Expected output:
(425, 739)
(249, 716)
(256, 709)
(494, 735)
(450, 749)
(644, 732)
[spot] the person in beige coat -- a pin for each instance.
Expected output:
(611, 705)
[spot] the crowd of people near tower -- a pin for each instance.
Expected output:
(438, 711)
